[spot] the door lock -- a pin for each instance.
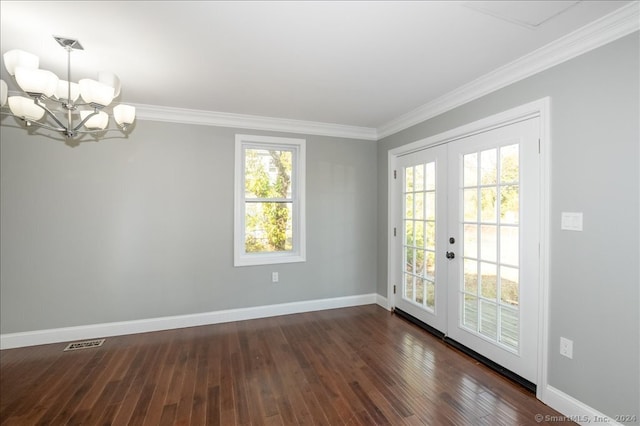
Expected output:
(451, 255)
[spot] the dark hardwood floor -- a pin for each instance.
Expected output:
(355, 366)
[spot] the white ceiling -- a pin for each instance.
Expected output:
(358, 63)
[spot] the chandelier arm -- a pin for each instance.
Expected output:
(76, 129)
(50, 114)
(36, 123)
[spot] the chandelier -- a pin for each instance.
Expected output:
(48, 96)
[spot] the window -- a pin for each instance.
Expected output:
(269, 200)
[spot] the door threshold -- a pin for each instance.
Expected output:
(526, 384)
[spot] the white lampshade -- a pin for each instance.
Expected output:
(37, 81)
(4, 90)
(62, 91)
(124, 114)
(111, 80)
(25, 108)
(19, 58)
(95, 92)
(97, 122)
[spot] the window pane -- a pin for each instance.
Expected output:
(268, 173)
(268, 227)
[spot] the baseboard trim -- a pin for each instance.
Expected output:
(382, 301)
(66, 334)
(574, 410)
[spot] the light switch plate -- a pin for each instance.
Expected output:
(571, 221)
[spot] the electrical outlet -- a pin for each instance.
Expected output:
(274, 277)
(566, 347)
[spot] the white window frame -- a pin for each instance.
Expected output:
(298, 253)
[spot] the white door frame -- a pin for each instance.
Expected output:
(539, 108)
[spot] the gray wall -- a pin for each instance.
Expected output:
(594, 275)
(143, 228)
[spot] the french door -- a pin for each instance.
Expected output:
(469, 221)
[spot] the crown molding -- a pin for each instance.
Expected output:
(253, 122)
(617, 24)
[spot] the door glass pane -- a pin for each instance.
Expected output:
(471, 276)
(408, 287)
(510, 204)
(470, 312)
(408, 232)
(488, 280)
(488, 203)
(471, 241)
(431, 265)
(418, 211)
(431, 294)
(420, 266)
(408, 203)
(509, 286)
(419, 234)
(419, 291)
(489, 243)
(431, 235)
(430, 201)
(488, 167)
(470, 171)
(409, 259)
(509, 164)
(408, 179)
(430, 173)
(470, 203)
(489, 319)
(419, 178)
(509, 245)
(509, 327)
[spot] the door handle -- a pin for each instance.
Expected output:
(451, 255)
